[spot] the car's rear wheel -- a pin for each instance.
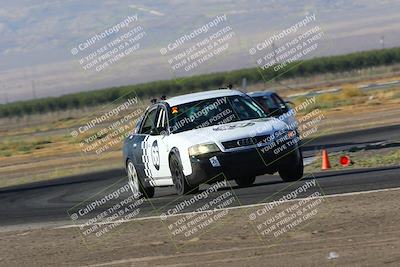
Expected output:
(293, 168)
(180, 183)
(245, 181)
(138, 187)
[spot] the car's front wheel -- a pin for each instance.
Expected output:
(293, 168)
(245, 181)
(139, 189)
(180, 183)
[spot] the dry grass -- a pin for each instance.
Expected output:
(360, 159)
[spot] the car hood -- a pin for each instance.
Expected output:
(232, 131)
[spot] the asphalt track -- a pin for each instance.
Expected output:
(50, 202)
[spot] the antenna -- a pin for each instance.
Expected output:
(382, 41)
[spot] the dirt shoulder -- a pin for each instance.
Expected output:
(350, 230)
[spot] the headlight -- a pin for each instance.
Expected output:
(203, 149)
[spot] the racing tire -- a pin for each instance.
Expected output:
(294, 168)
(178, 177)
(138, 187)
(245, 181)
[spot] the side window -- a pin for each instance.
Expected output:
(137, 125)
(160, 118)
(161, 122)
(279, 101)
(271, 103)
(149, 122)
(165, 119)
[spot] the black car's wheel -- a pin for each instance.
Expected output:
(138, 187)
(181, 185)
(245, 181)
(293, 168)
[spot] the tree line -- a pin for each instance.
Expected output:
(331, 64)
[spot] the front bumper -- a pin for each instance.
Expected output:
(243, 163)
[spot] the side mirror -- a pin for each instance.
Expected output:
(290, 103)
(284, 108)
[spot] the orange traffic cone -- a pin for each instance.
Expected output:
(325, 160)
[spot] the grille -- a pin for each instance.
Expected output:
(243, 142)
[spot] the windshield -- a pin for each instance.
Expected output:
(213, 111)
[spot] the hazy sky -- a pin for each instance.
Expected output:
(37, 36)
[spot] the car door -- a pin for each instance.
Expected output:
(156, 148)
(139, 144)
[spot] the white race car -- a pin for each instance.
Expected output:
(204, 137)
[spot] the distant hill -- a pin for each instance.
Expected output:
(36, 37)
